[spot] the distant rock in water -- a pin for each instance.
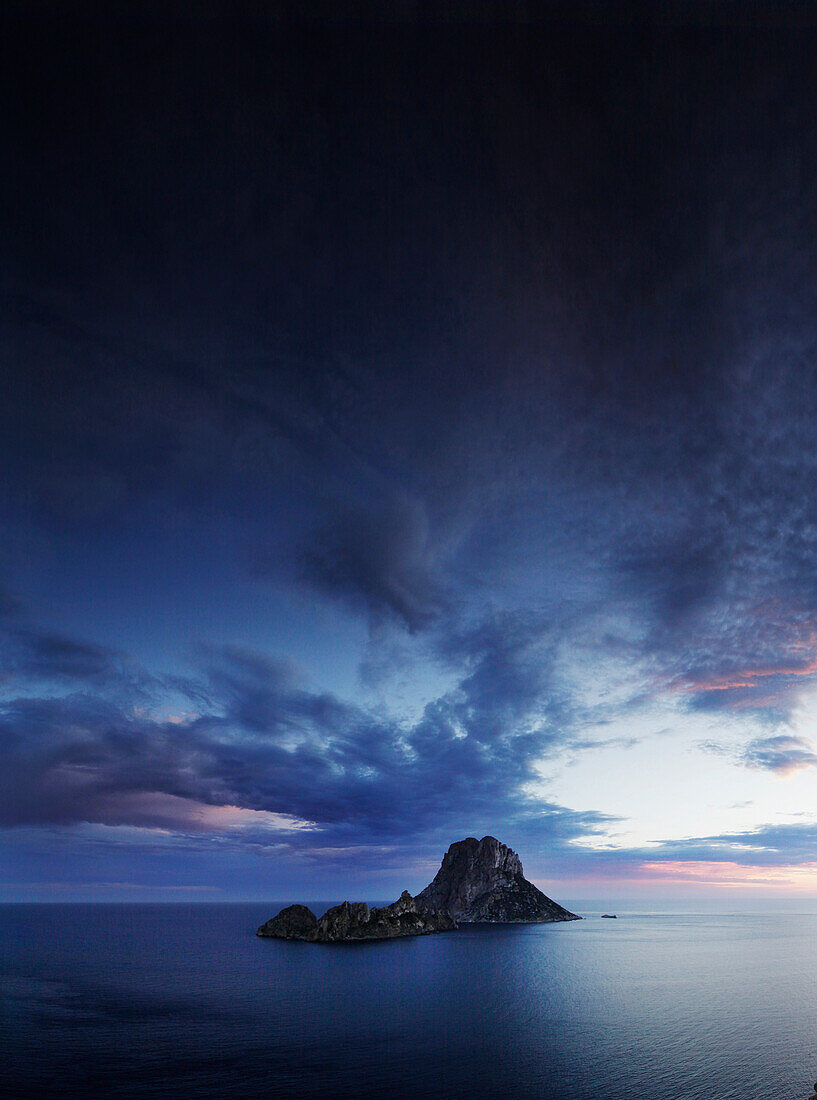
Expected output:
(296, 922)
(480, 881)
(354, 920)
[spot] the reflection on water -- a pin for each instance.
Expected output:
(177, 1001)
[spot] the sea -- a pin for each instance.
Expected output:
(185, 1001)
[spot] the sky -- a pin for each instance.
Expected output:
(408, 431)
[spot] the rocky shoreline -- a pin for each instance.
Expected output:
(479, 882)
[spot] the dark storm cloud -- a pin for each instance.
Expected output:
(510, 660)
(678, 578)
(343, 784)
(724, 568)
(264, 742)
(50, 656)
(356, 229)
(470, 752)
(502, 332)
(31, 655)
(381, 561)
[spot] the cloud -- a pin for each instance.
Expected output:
(715, 558)
(9, 604)
(783, 754)
(380, 560)
(769, 855)
(262, 761)
(679, 576)
(768, 845)
(607, 388)
(260, 751)
(54, 656)
(29, 654)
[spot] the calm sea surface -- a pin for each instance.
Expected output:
(178, 1001)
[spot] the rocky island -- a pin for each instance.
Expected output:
(479, 882)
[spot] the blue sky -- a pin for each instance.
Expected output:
(408, 433)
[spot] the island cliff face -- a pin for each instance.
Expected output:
(480, 881)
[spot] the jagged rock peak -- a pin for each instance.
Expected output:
(482, 881)
(490, 854)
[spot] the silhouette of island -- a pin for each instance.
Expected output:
(479, 882)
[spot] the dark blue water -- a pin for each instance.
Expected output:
(177, 1001)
